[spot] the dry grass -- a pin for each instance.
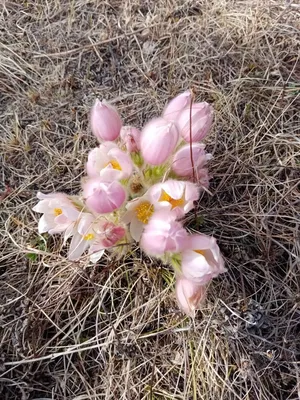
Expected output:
(113, 331)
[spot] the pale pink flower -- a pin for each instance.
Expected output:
(108, 236)
(131, 137)
(163, 234)
(201, 260)
(139, 211)
(59, 213)
(105, 121)
(189, 295)
(176, 105)
(95, 235)
(158, 140)
(189, 156)
(84, 236)
(202, 117)
(109, 162)
(177, 195)
(103, 197)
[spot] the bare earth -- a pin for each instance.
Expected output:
(113, 331)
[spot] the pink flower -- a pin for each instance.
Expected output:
(95, 234)
(201, 260)
(189, 295)
(59, 213)
(109, 162)
(163, 234)
(182, 162)
(158, 140)
(139, 211)
(177, 195)
(105, 121)
(131, 138)
(103, 197)
(84, 236)
(202, 117)
(108, 236)
(175, 106)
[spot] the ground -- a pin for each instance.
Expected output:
(113, 331)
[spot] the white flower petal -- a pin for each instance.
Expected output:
(96, 256)
(45, 223)
(136, 229)
(77, 247)
(42, 207)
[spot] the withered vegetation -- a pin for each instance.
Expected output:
(113, 331)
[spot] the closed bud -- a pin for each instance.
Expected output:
(105, 121)
(189, 295)
(158, 141)
(175, 106)
(190, 160)
(202, 117)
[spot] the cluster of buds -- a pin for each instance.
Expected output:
(138, 188)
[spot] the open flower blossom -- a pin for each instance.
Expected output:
(105, 121)
(178, 104)
(138, 213)
(103, 197)
(163, 234)
(95, 234)
(139, 186)
(178, 196)
(190, 160)
(59, 213)
(109, 162)
(189, 295)
(158, 140)
(131, 138)
(201, 260)
(202, 117)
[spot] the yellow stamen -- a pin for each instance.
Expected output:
(57, 211)
(115, 165)
(89, 236)
(200, 252)
(174, 202)
(144, 211)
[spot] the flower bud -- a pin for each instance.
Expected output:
(103, 197)
(175, 106)
(159, 139)
(184, 161)
(189, 294)
(131, 138)
(202, 117)
(105, 121)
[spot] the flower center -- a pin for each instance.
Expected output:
(174, 202)
(115, 165)
(57, 211)
(144, 211)
(88, 237)
(200, 252)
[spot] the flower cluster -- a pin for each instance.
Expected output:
(138, 188)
